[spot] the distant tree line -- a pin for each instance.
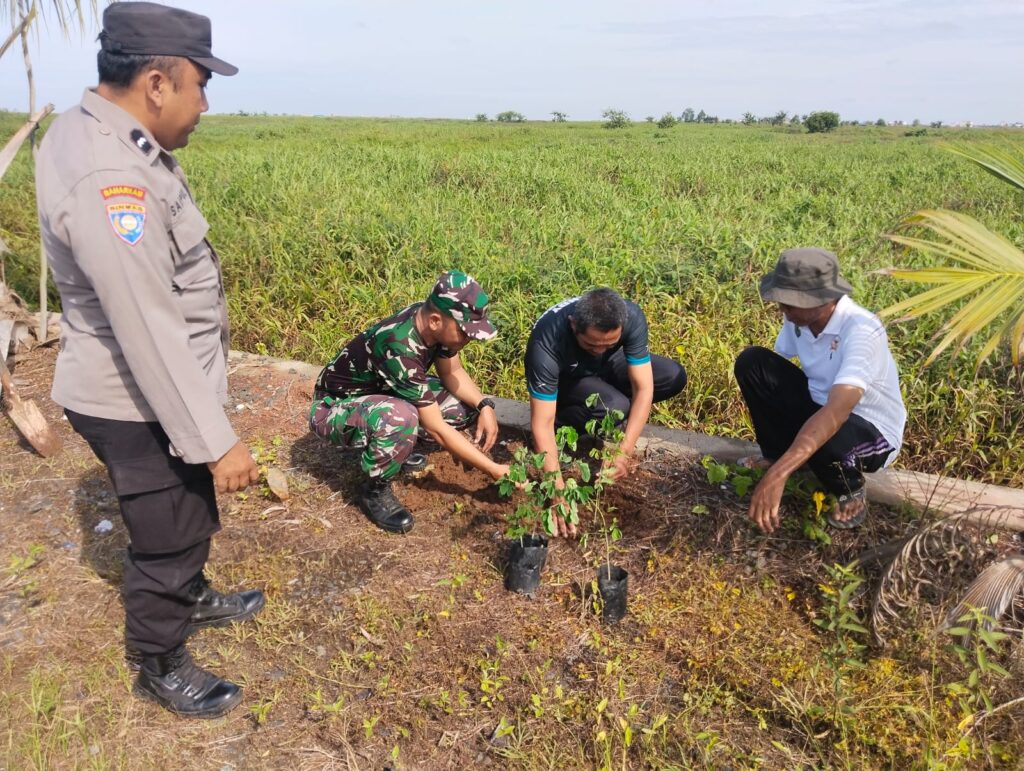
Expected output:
(815, 122)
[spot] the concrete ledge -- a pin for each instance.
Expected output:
(893, 487)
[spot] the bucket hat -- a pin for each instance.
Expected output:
(805, 278)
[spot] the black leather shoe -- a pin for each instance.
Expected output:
(174, 682)
(382, 508)
(215, 609)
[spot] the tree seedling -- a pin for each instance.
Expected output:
(526, 472)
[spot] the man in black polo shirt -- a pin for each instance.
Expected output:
(596, 343)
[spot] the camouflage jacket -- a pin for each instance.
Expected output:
(388, 358)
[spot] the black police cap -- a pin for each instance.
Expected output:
(150, 29)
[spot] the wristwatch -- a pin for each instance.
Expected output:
(485, 402)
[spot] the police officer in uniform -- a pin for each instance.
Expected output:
(142, 368)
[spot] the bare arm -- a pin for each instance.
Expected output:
(457, 381)
(819, 428)
(455, 443)
(542, 426)
(461, 386)
(641, 380)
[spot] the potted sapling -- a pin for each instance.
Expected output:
(534, 517)
(612, 580)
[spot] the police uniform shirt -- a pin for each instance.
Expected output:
(553, 354)
(144, 333)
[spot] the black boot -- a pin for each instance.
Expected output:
(211, 609)
(215, 609)
(174, 682)
(382, 508)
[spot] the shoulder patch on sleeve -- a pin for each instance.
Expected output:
(123, 191)
(128, 221)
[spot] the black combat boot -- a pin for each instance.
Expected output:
(382, 508)
(215, 609)
(211, 609)
(174, 682)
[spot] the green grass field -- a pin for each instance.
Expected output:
(325, 225)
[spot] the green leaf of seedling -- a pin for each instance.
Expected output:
(717, 473)
(700, 508)
(741, 484)
(993, 667)
(592, 400)
(549, 522)
(566, 436)
(584, 472)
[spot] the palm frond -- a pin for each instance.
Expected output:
(992, 277)
(929, 564)
(69, 14)
(993, 591)
(966, 241)
(988, 305)
(995, 160)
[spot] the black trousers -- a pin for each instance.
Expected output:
(170, 510)
(612, 384)
(777, 395)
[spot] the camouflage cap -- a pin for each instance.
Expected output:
(461, 297)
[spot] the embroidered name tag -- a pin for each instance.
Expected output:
(119, 191)
(128, 221)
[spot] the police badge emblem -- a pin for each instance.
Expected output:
(128, 221)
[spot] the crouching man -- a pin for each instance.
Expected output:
(841, 411)
(377, 394)
(594, 344)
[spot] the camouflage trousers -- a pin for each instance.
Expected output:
(385, 427)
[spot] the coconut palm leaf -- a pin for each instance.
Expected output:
(993, 591)
(995, 160)
(69, 14)
(991, 274)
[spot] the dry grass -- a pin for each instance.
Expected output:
(378, 651)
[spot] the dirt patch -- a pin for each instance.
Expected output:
(385, 651)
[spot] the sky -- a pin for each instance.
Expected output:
(948, 60)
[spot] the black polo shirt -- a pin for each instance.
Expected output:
(552, 353)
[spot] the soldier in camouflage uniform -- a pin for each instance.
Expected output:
(376, 393)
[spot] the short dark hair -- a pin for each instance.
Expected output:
(119, 70)
(603, 308)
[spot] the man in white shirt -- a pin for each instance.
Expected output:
(840, 412)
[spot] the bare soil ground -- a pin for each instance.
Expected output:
(388, 651)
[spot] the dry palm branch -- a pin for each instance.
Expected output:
(931, 565)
